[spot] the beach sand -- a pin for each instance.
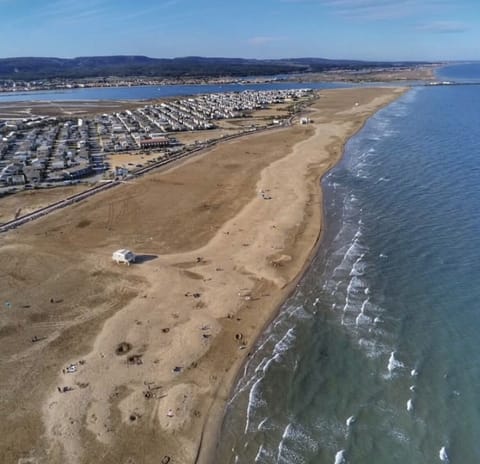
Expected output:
(25, 202)
(156, 346)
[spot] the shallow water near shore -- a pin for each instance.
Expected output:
(375, 358)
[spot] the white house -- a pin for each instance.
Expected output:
(123, 256)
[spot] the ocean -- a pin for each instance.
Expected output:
(468, 72)
(375, 359)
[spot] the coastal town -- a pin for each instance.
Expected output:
(66, 84)
(46, 151)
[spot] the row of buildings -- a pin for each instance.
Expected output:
(47, 150)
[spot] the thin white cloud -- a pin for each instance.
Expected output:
(156, 9)
(263, 40)
(74, 11)
(378, 9)
(67, 9)
(444, 27)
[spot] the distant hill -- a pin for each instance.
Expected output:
(191, 66)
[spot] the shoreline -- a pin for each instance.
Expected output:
(213, 431)
(223, 237)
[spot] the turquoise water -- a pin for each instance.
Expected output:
(376, 358)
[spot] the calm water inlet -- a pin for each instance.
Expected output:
(376, 359)
(148, 92)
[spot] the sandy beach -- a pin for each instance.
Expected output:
(107, 363)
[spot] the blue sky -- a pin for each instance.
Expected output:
(357, 29)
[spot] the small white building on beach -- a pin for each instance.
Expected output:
(123, 256)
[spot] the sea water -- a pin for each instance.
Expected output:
(468, 72)
(376, 357)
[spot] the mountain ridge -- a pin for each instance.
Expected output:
(30, 68)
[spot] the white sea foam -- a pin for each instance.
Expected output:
(350, 421)
(351, 255)
(341, 457)
(260, 371)
(372, 348)
(362, 175)
(359, 267)
(266, 366)
(393, 363)
(347, 300)
(299, 312)
(264, 455)
(259, 454)
(296, 444)
(410, 405)
(244, 385)
(264, 343)
(390, 132)
(364, 305)
(355, 287)
(443, 455)
(299, 443)
(261, 364)
(261, 425)
(362, 319)
(383, 179)
(349, 209)
(401, 437)
(254, 400)
(286, 342)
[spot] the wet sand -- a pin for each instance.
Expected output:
(155, 347)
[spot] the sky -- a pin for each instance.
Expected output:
(394, 30)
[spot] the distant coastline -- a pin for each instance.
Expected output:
(40, 74)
